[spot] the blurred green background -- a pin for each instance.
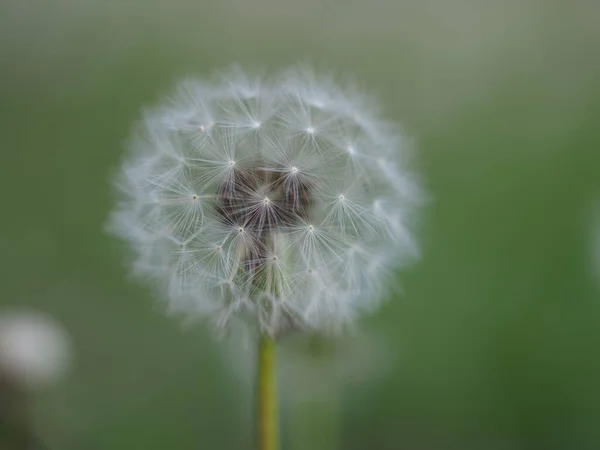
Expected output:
(494, 343)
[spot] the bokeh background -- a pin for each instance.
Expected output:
(494, 341)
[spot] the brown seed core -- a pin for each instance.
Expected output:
(260, 202)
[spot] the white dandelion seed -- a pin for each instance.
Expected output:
(284, 201)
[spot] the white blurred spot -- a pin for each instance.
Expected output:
(34, 349)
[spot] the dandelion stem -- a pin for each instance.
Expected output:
(267, 399)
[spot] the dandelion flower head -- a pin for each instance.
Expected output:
(34, 349)
(284, 201)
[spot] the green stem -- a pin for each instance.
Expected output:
(267, 398)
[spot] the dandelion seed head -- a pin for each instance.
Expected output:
(34, 349)
(284, 202)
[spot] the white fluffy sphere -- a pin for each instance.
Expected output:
(34, 349)
(284, 199)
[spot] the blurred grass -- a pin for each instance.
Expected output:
(497, 330)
